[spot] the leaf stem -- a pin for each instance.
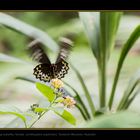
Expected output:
(37, 119)
(81, 111)
(87, 94)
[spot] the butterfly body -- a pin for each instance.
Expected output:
(46, 70)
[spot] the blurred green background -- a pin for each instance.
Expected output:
(22, 94)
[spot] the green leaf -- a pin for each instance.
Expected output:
(8, 109)
(81, 111)
(101, 31)
(68, 117)
(28, 30)
(87, 94)
(90, 21)
(29, 79)
(117, 120)
(127, 46)
(39, 109)
(65, 115)
(109, 22)
(134, 81)
(131, 99)
(46, 91)
(31, 117)
(7, 58)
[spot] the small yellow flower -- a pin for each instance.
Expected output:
(56, 83)
(69, 101)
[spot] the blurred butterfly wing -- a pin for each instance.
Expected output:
(65, 47)
(62, 69)
(37, 52)
(43, 72)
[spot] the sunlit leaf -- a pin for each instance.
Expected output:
(65, 115)
(46, 91)
(39, 109)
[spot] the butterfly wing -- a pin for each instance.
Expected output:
(43, 72)
(37, 52)
(61, 69)
(65, 47)
(61, 65)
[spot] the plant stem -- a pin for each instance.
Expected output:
(37, 119)
(102, 83)
(43, 113)
(25, 124)
(114, 88)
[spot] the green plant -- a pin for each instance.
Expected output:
(101, 29)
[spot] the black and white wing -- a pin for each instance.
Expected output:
(42, 71)
(37, 52)
(65, 47)
(61, 64)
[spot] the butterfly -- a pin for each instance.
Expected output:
(45, 70)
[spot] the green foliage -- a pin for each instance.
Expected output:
(123, 119)
(127, 46)
(51, 95)
(7, 58)
(87, 94)
(46, 91)
(101, 29)
(65, 115)
(91, 25)
(27, 30)
(129, 94)
(8, 109)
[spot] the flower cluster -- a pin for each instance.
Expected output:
(56, 83)
(67, 100)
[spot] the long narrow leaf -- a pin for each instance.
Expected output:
(81, 111)
(130, 100)
(109, 22)
(127, 46)
(28, 30)
(8, 109)
(7, 58)
(32, 80)
(134, 81)
(87, 94)
(90, 21)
